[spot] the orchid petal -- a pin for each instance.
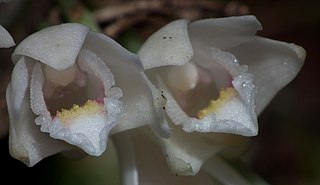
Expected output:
(186, 152)
(160, 127)
(138, 105)
(144, 158)
(56, 46)
(223, 33)
(273, 63)
(24, 135)
(6, 41)
(19, 83)
(171, 44)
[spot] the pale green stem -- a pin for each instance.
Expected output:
(127, 160)
(222, 171)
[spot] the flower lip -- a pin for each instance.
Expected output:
(82, 119)
(231, 112)
(198, 83)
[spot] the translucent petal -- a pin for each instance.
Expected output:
(37, 102)
(56, 46)
(6, 40)
(168, 46)
(223, 33)
(19, 84)
(26, 142)
(273, 63)
(186, 152)
(138, 105)
(160, 127)
(144, 157)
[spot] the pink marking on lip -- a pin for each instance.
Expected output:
(230, 81)
(100, 101)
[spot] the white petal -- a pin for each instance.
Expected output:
(186, 152)
(37, 102)
(138, 105)
(116, 54)
(147, 159)
(160, 127)
(6, 40)
(168, 46)
(273, 63)
(92, 64)
(223, 33)
(19, 83)
(56, 46)
(26, 142)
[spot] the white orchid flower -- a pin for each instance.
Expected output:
(217, 77)
(69, 88)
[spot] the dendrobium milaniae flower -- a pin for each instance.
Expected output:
(70, 86)
(217, 76)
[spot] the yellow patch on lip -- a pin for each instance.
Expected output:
(224, 95)
(90, 107)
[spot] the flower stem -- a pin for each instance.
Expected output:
(127, 160)
(222, 171)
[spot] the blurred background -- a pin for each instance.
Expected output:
(287, 149)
